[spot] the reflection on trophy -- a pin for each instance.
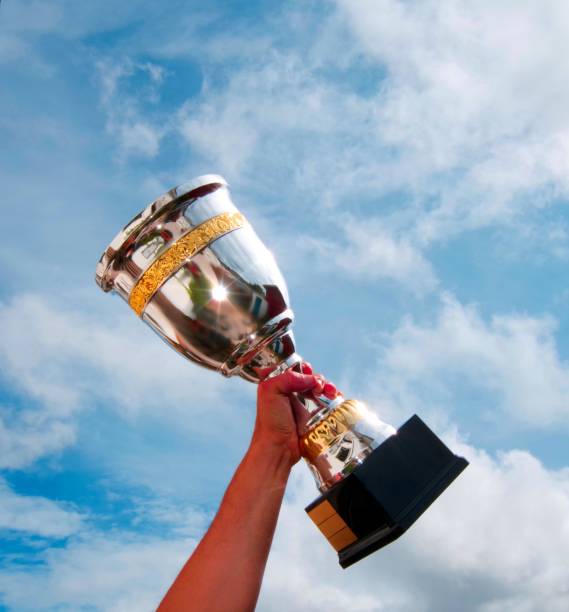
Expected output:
(194, 270)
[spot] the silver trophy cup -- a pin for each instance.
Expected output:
(195, 271)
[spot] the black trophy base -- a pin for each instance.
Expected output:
(387, 493)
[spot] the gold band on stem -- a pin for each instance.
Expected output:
(184, 248)
(323, 435)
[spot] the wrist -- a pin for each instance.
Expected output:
(275, 455)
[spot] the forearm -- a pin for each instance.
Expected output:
(225, 571)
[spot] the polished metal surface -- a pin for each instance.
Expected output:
(338, 438)
(183, 249)
(225, 307)
(199, 276)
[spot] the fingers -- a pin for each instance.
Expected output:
(329, 390)
(306, 367)
(262, 373)
(291, 382)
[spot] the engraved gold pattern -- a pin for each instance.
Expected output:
(184, 248)
(339, 421)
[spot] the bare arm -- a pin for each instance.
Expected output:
(225, 571)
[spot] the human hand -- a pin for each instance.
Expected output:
(277, 404)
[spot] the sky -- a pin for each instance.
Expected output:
(408, 164)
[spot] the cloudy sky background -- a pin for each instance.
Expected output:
(408, 163)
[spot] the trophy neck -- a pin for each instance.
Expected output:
(271, 349)
(338, 438)
(336, 435)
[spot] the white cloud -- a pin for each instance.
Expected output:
(129, 93)
(139, 138)
(28, 435)
(61, 360)
(267, 113)
(36, 515)
(466, 128)
(514, 356)
(179, 518)
(495, 540)
(475, 95)
(460, 112)
(119, 570)
(115, 572)
(462, 118)
(280, 123)
(365, 250)
(43, 339)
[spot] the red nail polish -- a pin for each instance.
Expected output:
(330, 390)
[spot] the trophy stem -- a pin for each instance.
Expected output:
(336, 435)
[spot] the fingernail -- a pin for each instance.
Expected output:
(330, 390)
(306, 368)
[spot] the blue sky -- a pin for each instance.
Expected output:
(408, 164)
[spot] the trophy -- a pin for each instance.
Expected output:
(193, 269)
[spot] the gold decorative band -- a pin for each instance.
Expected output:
(323, 435)
(184, 248)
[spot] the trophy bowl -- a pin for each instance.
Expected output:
(195, 271)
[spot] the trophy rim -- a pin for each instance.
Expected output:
(154, 209)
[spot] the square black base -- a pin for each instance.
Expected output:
(384, 496)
